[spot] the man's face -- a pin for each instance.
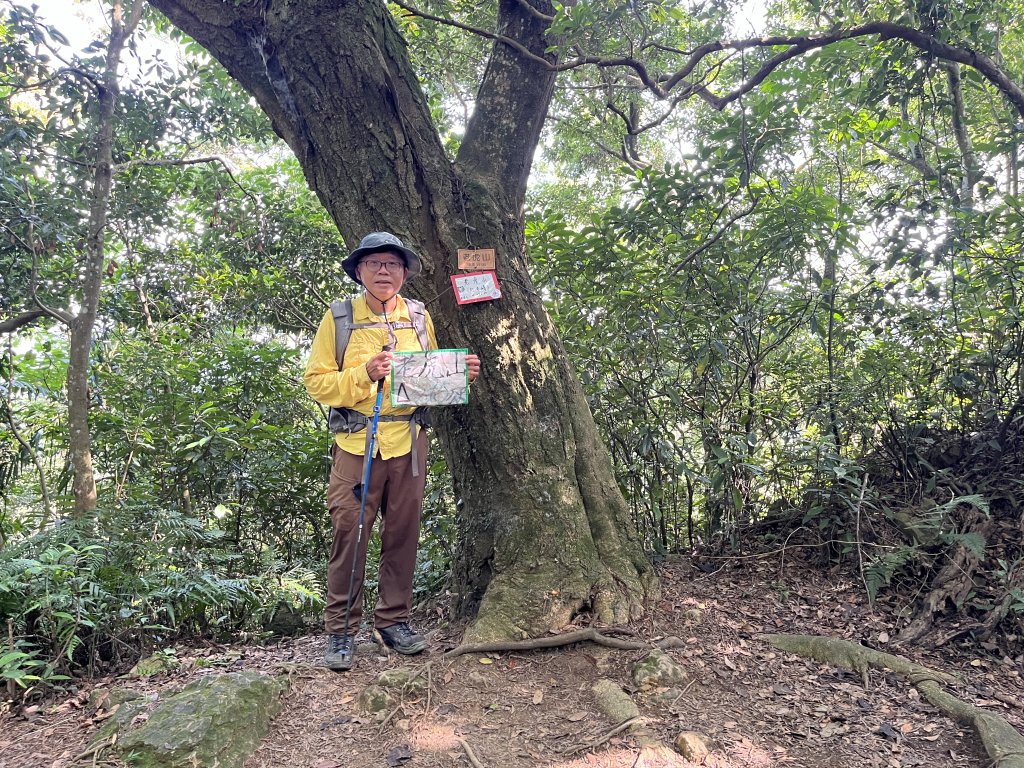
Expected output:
(382, 273)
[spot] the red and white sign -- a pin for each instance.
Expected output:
(476, 286)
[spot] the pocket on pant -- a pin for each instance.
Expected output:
(345, 471)
(344, 517)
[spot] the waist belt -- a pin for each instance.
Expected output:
(349, 421)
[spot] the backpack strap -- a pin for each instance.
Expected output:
(342, 312)
(418, 316)
(343, 325)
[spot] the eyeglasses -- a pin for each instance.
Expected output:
(375, 264)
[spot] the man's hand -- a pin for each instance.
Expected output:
(472, 367)
(379, 366)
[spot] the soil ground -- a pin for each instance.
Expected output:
(759, 706)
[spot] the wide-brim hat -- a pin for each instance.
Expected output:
(378, 242)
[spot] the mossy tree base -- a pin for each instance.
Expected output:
(518, 606)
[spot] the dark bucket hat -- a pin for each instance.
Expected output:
(377, 242)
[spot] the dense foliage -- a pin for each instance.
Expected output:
(811, 317)
(800, 314)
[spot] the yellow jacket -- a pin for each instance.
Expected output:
(351, 387)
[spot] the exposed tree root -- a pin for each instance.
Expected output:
(552, 641)
(1003, 743)
(602, 739)
(651, 747)
(470, 754)
(93, 753)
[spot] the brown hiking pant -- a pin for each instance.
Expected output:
(391, 482)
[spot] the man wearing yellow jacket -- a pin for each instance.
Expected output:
(382, 322)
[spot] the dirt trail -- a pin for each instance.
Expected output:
(762, 707)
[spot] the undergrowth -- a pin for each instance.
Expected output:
(83, 597)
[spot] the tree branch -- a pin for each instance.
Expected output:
(688, 258)
(80, 74)
(919, 164)
(30, 247)
(11, 324)
(797, 45)
(884, 30)
(528, 7)
(511, 105)
(963, 138)
(633, 162)
(170, 162)
(479, 32)
(311, 287)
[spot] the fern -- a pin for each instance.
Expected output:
(938, 516)
(879, 571)
(972, 541)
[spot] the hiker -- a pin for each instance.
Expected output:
(350, 357)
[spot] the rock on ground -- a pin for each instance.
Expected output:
(658, 669)
(213, 722)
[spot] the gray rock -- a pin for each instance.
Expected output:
(667, 695)
(286, 620)
(213, 722)
(658, 669)
(108, 698)
(694, 746)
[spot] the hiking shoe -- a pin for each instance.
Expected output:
(401, 637)
(340, 651)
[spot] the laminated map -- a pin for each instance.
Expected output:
(437, 377)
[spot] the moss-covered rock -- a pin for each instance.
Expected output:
(658, 669)
(124, 703)
(373, 699)
(403, 679)
(213, 722)
(156, 664)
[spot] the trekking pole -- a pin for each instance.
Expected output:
(360, 491)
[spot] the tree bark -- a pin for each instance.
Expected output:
(544, 530)
(968, 159)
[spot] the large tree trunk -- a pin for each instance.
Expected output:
(545, 531)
